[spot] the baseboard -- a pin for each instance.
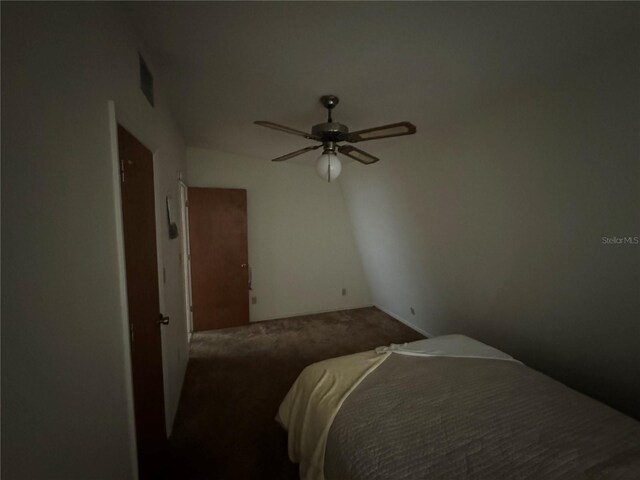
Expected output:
(314, 312)
(402, 320)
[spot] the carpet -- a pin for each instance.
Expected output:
(237, 377)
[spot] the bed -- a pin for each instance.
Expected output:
(450, 408)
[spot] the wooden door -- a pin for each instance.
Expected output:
(138, 215)
(219, 257)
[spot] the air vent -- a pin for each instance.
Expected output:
(146, 80)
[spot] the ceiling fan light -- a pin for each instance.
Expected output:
(328, 166)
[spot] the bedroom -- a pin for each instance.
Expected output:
(492, 221)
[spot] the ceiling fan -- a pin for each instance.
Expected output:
(331, 133)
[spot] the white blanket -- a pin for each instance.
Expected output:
(312, 403)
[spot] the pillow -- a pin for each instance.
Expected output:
(447, 346)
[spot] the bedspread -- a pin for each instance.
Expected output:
(454, 418)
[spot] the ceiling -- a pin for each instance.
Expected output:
(227, 64)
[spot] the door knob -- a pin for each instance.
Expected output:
(244, 265)
(163, 320)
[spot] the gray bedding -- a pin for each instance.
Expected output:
(453, 418)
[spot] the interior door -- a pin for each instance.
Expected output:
(219, 257)
(138, 215)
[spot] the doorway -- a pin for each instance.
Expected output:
(143, 301)
(219, 257)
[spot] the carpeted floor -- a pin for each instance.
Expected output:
(237, 377)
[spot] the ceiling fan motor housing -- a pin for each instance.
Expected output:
(330, 131)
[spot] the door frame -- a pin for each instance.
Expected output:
(186, 255)
(117, 115)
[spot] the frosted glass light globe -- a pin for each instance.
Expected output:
(328, 166)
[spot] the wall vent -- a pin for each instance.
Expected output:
(146, 80)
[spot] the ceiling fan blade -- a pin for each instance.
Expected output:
(295, 154)
(282, 128)
(357, 154)
(385, 131)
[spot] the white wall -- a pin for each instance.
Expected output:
(491, 225)
(66, 403)
(301, 248)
